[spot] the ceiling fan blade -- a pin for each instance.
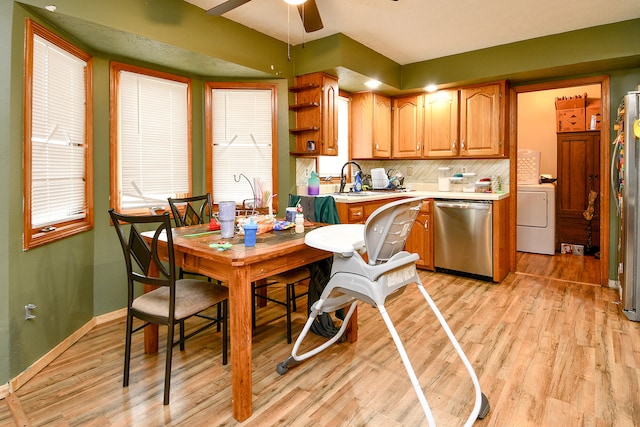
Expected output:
(225, 7)
(310, 16)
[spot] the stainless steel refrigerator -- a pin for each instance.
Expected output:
(626, 186)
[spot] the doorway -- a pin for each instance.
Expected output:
(596, 87)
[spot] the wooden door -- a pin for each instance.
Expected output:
(578, 175)
(480, 121)
(407, 126)
(441, 124)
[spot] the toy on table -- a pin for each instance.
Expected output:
(222, 246)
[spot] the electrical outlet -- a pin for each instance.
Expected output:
(27, 312)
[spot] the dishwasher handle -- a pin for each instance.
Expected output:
(463, 205)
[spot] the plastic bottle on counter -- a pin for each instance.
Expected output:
(358, 185)
(313, 184)
(299, 223)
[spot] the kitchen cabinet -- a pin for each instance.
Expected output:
(407, 126)
(483, 120)
(578, 174)
(501, 242)
(420, 240)
(359, 212)
(441, 124)
(370, 126)
(316, 114)
(469, 122)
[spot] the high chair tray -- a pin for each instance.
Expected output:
(338, 238)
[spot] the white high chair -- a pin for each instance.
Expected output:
(386, 274)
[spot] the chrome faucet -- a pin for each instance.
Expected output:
(343, 178)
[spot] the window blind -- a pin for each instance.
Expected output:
(153, 136)
(242, 139)
(58, 150)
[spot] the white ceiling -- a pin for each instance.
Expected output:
(408, 31)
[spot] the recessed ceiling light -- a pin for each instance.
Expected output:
(372, 84)
(51, 8)
(431, 88)
(295, 2)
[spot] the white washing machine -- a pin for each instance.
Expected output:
(536, 218)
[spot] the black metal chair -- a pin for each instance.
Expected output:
(174, 300)
(191, 211)
(290, 279)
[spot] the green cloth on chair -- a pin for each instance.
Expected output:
(324, 208)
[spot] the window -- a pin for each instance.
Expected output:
(58, 175)
(332, 165)
(150, 138)
(241, 142)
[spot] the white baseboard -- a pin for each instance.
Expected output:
(41, 363)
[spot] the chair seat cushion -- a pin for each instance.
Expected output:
(192, 296)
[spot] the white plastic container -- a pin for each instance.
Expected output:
(444, 184)
(379, 178)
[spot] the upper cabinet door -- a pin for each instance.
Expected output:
(407, 126)
(481, 121)
(381, 126)
(329, 111)
(441, 124)
(370, 126)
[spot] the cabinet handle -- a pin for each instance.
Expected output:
(462, 145)
(418, 147)
(357, 213)
(376, 145)
(426, 225)
(453, 146)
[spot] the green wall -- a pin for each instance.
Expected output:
(71, 281)
(6, 135)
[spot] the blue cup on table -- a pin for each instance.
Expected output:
(250, 230)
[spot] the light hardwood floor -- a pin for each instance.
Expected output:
(548, 352)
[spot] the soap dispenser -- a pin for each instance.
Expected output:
(358, 185)
(313, 184)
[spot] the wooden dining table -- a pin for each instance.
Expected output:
(237, 267)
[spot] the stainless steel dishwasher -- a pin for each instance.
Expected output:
(463, 237)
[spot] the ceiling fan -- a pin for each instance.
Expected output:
(308, 12)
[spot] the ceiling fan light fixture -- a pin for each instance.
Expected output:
(295, 2)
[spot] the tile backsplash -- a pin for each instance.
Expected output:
(420, 171)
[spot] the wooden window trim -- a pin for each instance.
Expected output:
(114, 87)
(36, 237)
(208, 118)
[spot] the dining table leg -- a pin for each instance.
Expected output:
(240, 300)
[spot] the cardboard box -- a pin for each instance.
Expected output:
(578, 250)
(570, 120)
(578, 101)
(566, 248)
(593, 108)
